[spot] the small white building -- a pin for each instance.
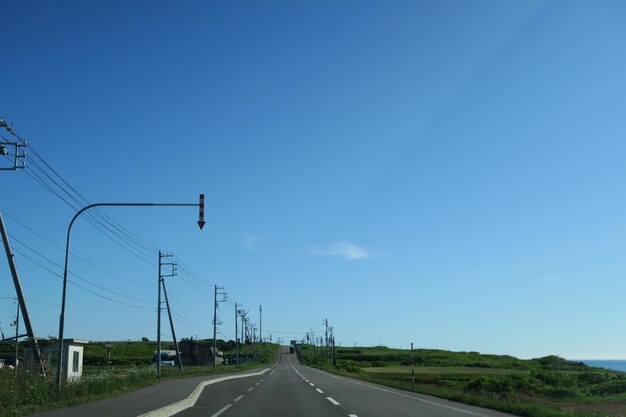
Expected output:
(72, 359)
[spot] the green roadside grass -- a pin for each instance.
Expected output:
(26, 393)
(543, 387)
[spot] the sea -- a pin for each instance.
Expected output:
(615, 365)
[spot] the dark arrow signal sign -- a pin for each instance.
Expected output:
(201, 221)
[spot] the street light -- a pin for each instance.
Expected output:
(67, 253)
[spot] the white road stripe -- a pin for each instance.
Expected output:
(319, 390)
(311, 384)
(238, 398)
(222, 410)
(257, 384)
(352, 415)
(332, 400)
(250, 389)
(401, 395)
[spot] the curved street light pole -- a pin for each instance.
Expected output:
(67, 253)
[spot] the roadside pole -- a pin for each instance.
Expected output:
(412, 368)
(158, 354)
(17, 336)
(201, 224)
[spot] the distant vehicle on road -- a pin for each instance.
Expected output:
(164, 364)
(168, 358)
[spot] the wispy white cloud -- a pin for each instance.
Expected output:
(344, 250)
(250, 242)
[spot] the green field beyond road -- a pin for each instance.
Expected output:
(542, 387)
(442, 370)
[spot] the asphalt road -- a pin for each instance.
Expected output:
(293, 390)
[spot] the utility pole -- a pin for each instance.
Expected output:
(22, 303)
(326, 337)
(158, 338)
(215, 301)
(236, 334)
(260, 323)
(242, 313)
(17, 335)
(332, 346)
(169, 313)
(412, 368)
(12, 150)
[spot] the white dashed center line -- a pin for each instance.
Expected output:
(238, 398)
(319, 390)
(332, 400)
(222, 410)
(250, 389)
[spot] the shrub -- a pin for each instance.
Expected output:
(350, 366)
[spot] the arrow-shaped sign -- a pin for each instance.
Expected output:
(201, 221)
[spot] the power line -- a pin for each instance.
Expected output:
(51, 180)
(71, 254)
(78, 285)
(76, 275)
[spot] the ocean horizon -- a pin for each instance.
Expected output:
(612, 364)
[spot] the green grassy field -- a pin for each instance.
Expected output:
(448, 371)
(542, 387)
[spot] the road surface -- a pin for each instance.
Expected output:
(294, 390)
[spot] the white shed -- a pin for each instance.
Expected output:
(72, 358)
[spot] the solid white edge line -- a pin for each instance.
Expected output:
(226, 407)
(178, 406)
(332, 400)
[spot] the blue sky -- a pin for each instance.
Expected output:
(447, 173)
